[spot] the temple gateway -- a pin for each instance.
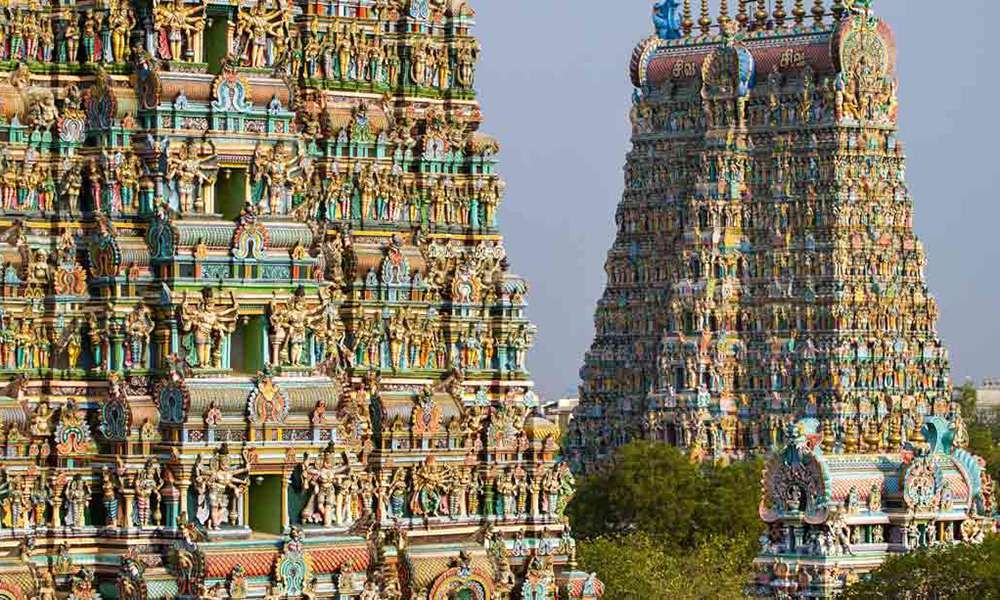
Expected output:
(766, 292)
(259, 337)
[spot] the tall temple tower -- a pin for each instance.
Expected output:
(766, 290)
(765, 266)
(258, 334)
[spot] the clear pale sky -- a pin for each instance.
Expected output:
(554, 89)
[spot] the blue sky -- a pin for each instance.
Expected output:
(553, 84)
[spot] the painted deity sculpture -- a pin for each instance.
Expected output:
(261, 33)
(77, 499)
(219, 483)
(327, 479)
(208, 324)
(178, 29)
(189, 168)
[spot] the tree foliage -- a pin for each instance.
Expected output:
(657, 490)
(655, 525)
(639, 567)
(983, 429)
(958, 572)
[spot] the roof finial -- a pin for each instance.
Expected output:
(863, 7)
(838, 9)
(723, 13)
(799, 13)
(705, 22)
(741, 14)
(666, 19)
(687, 24)
(779, 13)
(818, 11)
(761, 14)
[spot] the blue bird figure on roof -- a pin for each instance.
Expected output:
(667, 19)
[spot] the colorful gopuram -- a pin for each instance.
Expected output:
(259, 337)
(766, 291)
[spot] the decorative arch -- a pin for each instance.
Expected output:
(172, 399)
(250, 239)
(116, 418)
(11, 592)
(462, 583)
(231, 92)
(161, 237)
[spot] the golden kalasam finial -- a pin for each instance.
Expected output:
(741, 14)
(687, 24)
(761, 14)
(799, 13)
(779, 13)
(705, 22)
(818, 11)
(838, 9)
(723, 12)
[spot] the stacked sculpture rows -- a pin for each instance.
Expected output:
(258, 330)
(766, 290)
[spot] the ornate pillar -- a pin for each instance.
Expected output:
(171, 508)
(183, 484)
(129, 495)
(286, 480)
(57, 484)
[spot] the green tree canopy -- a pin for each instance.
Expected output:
(656, 489)
(657, 526)
(639, 567)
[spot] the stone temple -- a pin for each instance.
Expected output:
(766, 292)
(259, 337)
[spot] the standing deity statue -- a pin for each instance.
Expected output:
(442, 64)
(208, 325)
(147, 487)
(261, 33)
(121, 22)
(110, 485)
(506, 489)
(179, 28)
(71, 35)
(129, 172)
(189, 169)
(326, 478)
(465, 71)
(77, 497)
(428, 493)
(219, 485)
(399, 333)
(491, 195)
(275, 175)
(367, 183)
(290, 325)
(345, 49)
(419, 64)
(91, 30)
(396, 494)
(138, 327)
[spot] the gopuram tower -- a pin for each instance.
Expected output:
(258, 337)
(766, 291)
